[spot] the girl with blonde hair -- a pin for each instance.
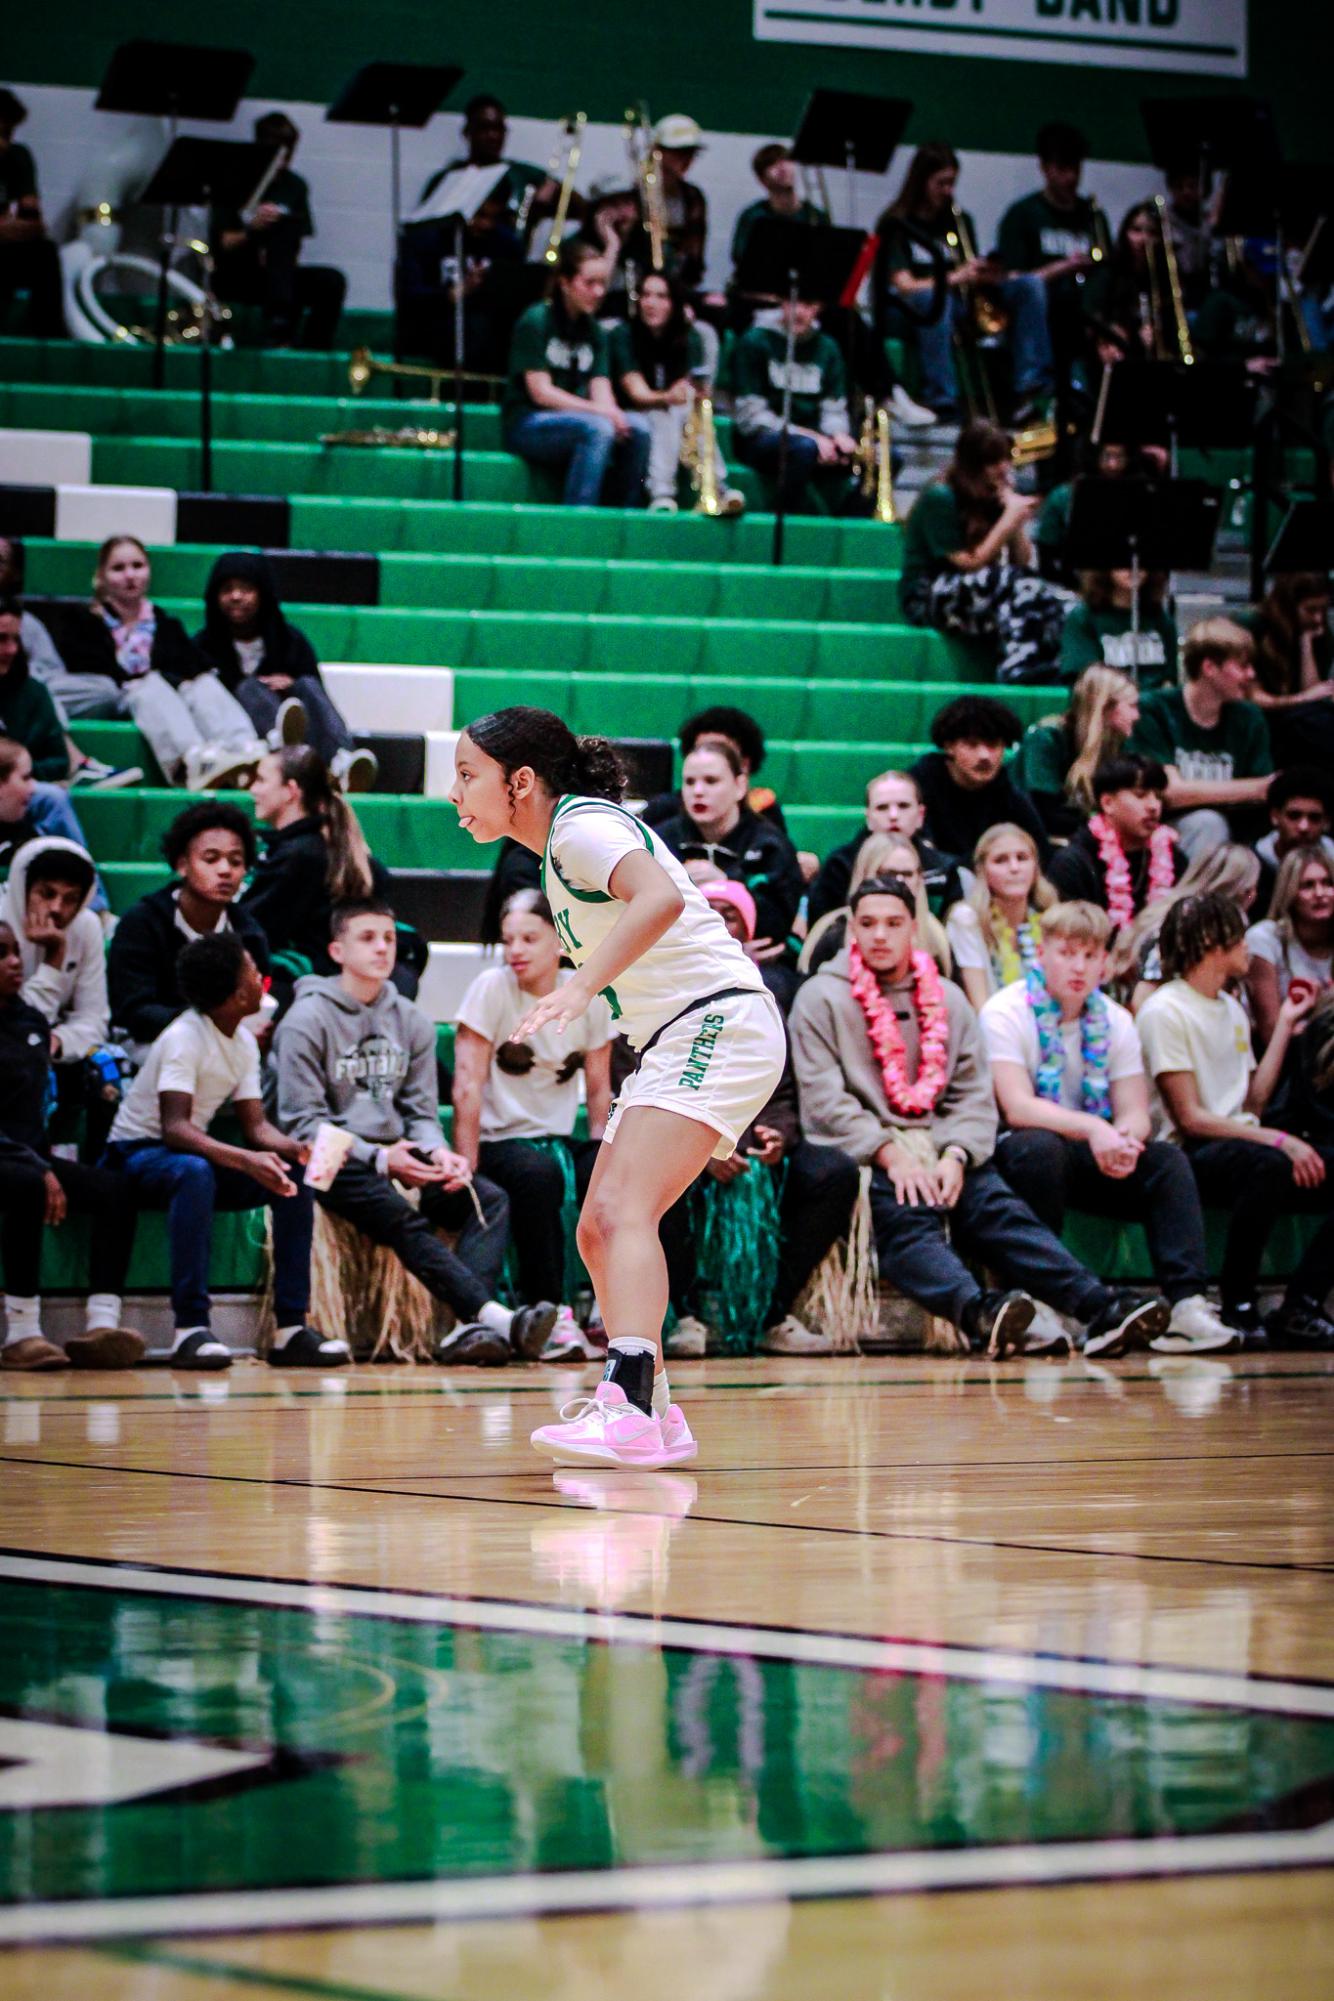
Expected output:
(1059, 755)
(1231, 870)
(882, 854)
(1294, 945)
(994, 935)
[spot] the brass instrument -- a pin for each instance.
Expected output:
(1034, 442)
(1180, 327)
(363, 367)
(1101, 247)
(699, 454)
(270, 175)
(407, 439)
(875, 458)
(989, 316)
(646, 170)
(562, 167)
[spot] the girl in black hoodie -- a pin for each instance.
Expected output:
(270, 666)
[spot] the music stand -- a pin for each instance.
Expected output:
(475, 188)
(1304, 543)
(214, 174)
(791, 261)
(399, 95)
(173, 80)
(848, 129)
(1142, 524)
(1210, 403)
(1209, 132)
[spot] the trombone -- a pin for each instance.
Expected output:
(646, 171)
(1180, 327)
(562, 167)
(363, 367)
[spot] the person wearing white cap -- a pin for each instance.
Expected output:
(685, 209)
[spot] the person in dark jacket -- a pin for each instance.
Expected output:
(717, 827)
(315, 857)
(211, 846)
(1126, 832)
(741, 730)
(270, 667)
(36, 1190)
(893, 806)
(145, 665)
(27, 713)
(964, 784)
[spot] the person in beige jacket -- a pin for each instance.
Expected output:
(892, 1068)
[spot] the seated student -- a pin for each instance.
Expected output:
(1209, 737)
(742, 731)
(820, 445)
(1051, 234)
(716, 825)
(891, 1069)
(1051, 530)
(211, 847)
(994, 935)
(27, 712)
(29, 260)
(882, 854)
(1137, 968)
(964, 783)
(559, 409)
(1294, 660)
(28, 809)
(1197, 1048)
(968, 562)
(1101, 628)
(36, 1190)
(893, 806)
(515, 1103)
(1069, 1080)
(1294, 945)
(777, 173)
(258, 252)
(658, 367)
(66, 690)
(1059, 755)
(137, 660)
(1300, 801)
(685, 209)
(353, 1053)
(162, 1144)
(1129, 292)
(485, 132)
(47, 904)
(1125, 857)
(270, 667)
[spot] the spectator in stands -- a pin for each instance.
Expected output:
(1209, 737)
(1069, 1081)
(1197, 1047)
(1050, 234)
(137, 660)
(211, 847)
(716, 826)
(27, 713)
(892, 1070)
(258, 253)
(994, 936)
(516, 1103)
(270, 667)
(1059, 755)
(658, 367)
(778, 174)
(1125, 857)
(1102, 627)
(36, 1190)
(1051, 531)
(1294, 945)
(742, 731)
(685, 210)
(1230, 871)
(559, 408)
(967, 560)
(820, 446)
(28, 809)
(29, 260)
(485, 135)
(880, 854)
(46, 666)
(893, 806)
(162, 1142)
(1127, 294)
(964, 783)
(1294, 657)
(354, 1053)
(47, 905)
(1300, 801)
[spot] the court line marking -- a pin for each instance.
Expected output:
(1128, 1680)
(344, 1906)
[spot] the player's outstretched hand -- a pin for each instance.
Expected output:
(558, 1009)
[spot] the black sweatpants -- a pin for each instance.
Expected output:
(466, 1277)
(1253, 1181)
(96, 1192)
(536, 1189)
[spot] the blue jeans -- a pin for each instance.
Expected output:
(588, 448)
(1029, 339)
(190, 1188)
(51, 813)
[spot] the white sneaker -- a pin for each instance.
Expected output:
(663, 505)
(731, 503)
(289, 729)
(1195, 1329)
(792, 1337)
(356, 770)
(1046, 1334)
(904, 411)
(688, 1340)
(208, 769)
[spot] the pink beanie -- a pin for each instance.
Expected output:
(738, 896)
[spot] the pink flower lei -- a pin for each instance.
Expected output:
(909, 1100)
(1116, 869)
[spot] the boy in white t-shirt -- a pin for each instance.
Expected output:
(1197, 1045)
(1069, 1080)
(204, 1060)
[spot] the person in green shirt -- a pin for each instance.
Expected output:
(558, 408)
(27, 712)
(1050, 235)
(29, 260)
(258, 253)
(1210, 737)
(776, 171)
(820, 444)
(967, 560)
(1059, 755)
(658, 366)
(1102, 626)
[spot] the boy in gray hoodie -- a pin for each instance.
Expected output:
(352, 1052)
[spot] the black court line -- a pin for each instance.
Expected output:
(713, 1521)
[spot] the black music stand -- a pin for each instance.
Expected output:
(790, 261)
(460, 217)
(848, 129)
(399, 95)
(1304, 542)
(214, 174)
(1142, 524)
(1209, 403)
(1209, 133)
(173, 80)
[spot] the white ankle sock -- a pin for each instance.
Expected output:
(23, 1319)
(496, 1317)
(662, 1396)
(102, 1311)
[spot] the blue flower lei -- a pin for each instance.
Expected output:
(1095, 1042)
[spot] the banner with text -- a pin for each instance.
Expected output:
(1205, 36)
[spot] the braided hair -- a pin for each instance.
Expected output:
(1195, 927)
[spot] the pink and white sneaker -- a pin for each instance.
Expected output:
(605, 1429)
(678, 1440)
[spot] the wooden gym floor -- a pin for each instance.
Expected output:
(929, 1679)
